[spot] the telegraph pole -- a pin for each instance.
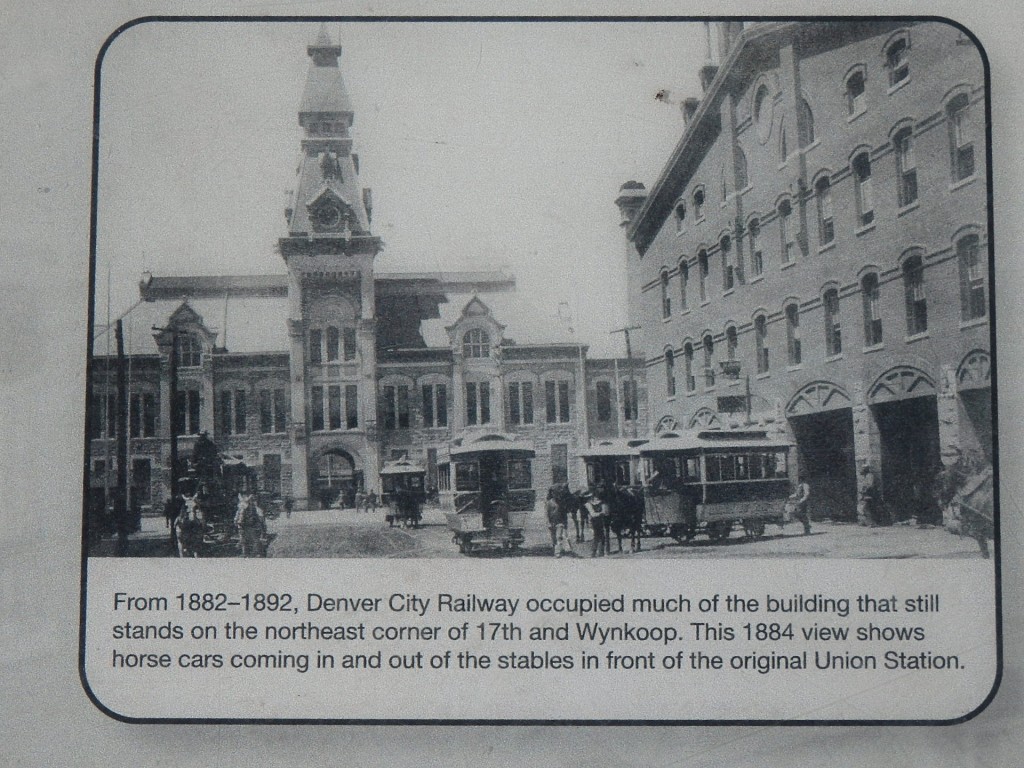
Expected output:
(121, 424)
(634, 395)
(172, 375)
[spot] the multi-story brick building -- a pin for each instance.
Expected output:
(318, 376)
(823, 223)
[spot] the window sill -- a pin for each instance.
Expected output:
(827, 246)
(699, 220)
(691, 393)
(782, 165)
(734, 383)
(666, 318)
(728, 291)
(974, 323)
(962, 182)
(850, 118)
(898, 86)
(685, 311)
(787, 264)
(865, 229)
(795, 367)
(916, 337)
(670, 398)
(680, 232)
(762, 376)
(908, 208)
(705, 302)
(756, 279)
(834, 358)
(873, 348)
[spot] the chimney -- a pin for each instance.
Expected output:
(631, 199)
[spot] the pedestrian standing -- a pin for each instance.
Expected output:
(557, 519)
(252, 526)
(598, 512)
(799, 499)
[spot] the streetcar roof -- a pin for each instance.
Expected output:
(616, 447)
(490, 442)
(402, 467)
(716, 440)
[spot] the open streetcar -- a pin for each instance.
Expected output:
(708, 481)
(486, 486)
(403, 491)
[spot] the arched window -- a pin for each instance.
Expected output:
(190, 350)
(476, 343)
(897, 62)
(793, 333)
(728, 267)
(684, 279)
(691, 381)
(670, 373)
(761, 343)
(916, 301)
(680, 214)
(756, 254)
(787, 232)
(731, 342)
(709, 360)
(833, 329)
(972, 278)
(826, 223)
(698, 203)
(872, 310)
(702, 269)
(805, 125)
(865, 196)
(666, 300)
(316, 340)
(906, 167)
(961, 143)
(855, 99)
(762, 112)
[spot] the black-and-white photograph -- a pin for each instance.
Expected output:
(700, 289)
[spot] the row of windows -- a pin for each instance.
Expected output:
(733, 271)
(331, 345)
(143, 415)
(603, 391)
(973, 306)
(328, 409)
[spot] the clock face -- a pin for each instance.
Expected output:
(328, 216)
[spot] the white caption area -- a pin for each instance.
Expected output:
(541, 639)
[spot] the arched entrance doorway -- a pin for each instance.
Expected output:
(974, 386)
(336, 478)
(904, 402)
(821, 416)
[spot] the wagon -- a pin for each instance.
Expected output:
(403, 492)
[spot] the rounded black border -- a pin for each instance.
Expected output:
(556, 19)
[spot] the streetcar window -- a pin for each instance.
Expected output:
(444, 477)
(692, 469)
(781, 464)
(519, 475)
(622, 472)
(416, 483)
(714, 468)
(467, 476)
(742, 467)
(728, 468)
(756, 466)
(592, 477)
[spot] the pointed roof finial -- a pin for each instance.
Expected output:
(324, 52)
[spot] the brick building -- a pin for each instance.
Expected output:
(822, 223)
(318, 376)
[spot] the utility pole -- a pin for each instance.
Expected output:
(121, 423)
(633, 395)
(172, 375)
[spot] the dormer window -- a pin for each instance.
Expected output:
(476, 343)
(680, 214)
(698, 204)
(190, 351)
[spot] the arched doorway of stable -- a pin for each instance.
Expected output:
(336, 478)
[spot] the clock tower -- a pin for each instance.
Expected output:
(329, 252)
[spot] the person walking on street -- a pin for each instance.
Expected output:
(799, 499)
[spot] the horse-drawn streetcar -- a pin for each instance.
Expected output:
(709, 481)
(403, 492)
(486, 485)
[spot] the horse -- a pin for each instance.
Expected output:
(189, 527)
(627, 515)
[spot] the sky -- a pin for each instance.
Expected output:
(487, 146)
